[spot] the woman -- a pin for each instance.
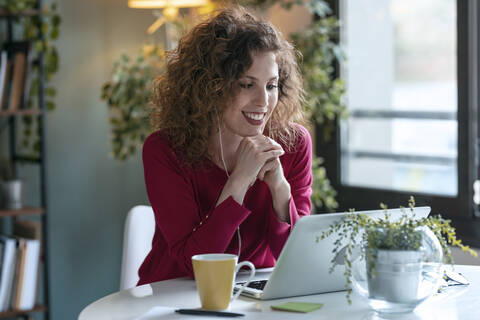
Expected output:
(227, 170)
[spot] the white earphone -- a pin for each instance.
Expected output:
(226, 171)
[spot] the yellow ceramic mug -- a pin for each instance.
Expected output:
(215, 274)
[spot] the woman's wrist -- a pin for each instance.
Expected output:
(281, 190)
(236, 188)
(240, 181)
(281, 200)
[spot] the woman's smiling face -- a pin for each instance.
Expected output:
(257, 97)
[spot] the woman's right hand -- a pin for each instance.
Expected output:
(252, 154)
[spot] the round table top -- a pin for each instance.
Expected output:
(159, 300)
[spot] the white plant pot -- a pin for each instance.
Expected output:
(12, 194)
(395, 276)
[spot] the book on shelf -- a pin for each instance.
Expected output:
(5, 89)
(14, 93)
(19, 273)
(18, 81)
(30, 233)
(8, 270)
(3, 75)
(28, 78)
(24, 291)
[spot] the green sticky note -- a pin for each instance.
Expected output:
(298, 306)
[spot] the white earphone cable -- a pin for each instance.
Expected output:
(226, 171)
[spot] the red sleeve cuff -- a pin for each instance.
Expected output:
(279, 230)
(223, 222)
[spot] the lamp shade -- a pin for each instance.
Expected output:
(157, 4)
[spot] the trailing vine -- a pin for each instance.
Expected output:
(33, 26)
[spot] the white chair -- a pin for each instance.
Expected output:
(137, 242)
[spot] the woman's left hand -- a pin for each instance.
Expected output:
(272, 174)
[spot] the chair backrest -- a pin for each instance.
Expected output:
(137, 242)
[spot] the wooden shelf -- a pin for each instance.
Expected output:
(12, 313)
(24, 13)
(22, 211)
(21, 112)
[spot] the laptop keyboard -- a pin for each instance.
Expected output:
(259, 285)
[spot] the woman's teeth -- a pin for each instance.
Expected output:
(254, 116)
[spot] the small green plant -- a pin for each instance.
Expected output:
(386, 234)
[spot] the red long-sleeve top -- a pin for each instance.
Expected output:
(188, 223)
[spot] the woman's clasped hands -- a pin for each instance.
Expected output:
(258, 157)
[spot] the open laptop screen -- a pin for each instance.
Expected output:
(304, 263)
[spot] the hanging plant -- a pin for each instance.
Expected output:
(32, 28)
(127, 95)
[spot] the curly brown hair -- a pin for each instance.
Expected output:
(201, 77)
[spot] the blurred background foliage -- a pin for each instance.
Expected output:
(127, 95)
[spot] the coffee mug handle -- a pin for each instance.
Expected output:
(252, 274)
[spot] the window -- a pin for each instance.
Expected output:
(411, 91)
(402, 132)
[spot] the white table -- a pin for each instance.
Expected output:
(459, 302)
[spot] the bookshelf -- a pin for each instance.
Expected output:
(8, 21)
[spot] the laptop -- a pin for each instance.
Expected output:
(303, 265)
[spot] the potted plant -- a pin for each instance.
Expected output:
(388, 260)
(11, 186)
